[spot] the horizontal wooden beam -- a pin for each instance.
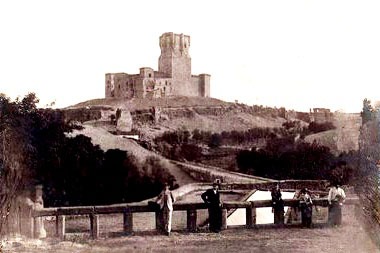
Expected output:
(138, 207)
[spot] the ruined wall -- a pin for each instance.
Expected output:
(321, 115)
(82, 114)
(120, 85)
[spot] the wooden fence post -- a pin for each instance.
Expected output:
(248, 217)
(192, 220)
(34, 227)
(57, 226)
(94, 226)
(61, 226)
(251, 215)
(127, 221)
(224, 218)
(254, 216)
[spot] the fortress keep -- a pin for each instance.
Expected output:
(172, 78)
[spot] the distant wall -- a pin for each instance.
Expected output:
(82, 114)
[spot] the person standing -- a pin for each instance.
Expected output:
(165, 200)
(212, 198)
(277, 205)
(336, 199)
(306, 207)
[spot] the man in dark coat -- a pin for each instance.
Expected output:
(212, 198)
(277, 205)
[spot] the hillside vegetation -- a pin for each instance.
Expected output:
(217, 133)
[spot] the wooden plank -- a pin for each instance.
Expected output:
(78, 210)
(236, 204)
(138, 207)
(109, 209)
(44, 212)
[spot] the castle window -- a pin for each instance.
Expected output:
(150, 75)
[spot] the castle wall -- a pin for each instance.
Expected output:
(204, 85)
(321, 115)
(119, 85)
(172, 78)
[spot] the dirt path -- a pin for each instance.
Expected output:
(107, 141)
(350, 237)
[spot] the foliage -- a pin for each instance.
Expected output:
(315, 127)
(36, 150)
(16, 150)
(369, 112)
(368, 175)
(282, 158)
(278, 153)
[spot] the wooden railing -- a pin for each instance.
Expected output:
(128, 209)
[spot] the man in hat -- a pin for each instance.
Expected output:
(212, 198)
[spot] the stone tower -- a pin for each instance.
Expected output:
(175, 61)
(173, 77)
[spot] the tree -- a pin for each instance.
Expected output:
(16, 150)
(368, 111)
(215, 141)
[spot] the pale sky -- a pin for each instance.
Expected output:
(296, 54)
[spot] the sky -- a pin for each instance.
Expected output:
(293, 54)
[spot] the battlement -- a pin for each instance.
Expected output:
(172, 41)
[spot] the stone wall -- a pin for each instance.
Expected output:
(82, 114)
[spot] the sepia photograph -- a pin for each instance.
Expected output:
(190, 126)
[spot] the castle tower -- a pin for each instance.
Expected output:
(175, 61)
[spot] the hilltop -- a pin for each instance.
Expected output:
(153, 116)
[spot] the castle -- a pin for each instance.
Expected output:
(173, 77)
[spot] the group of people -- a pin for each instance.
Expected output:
(211, 197)
(335, 198)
